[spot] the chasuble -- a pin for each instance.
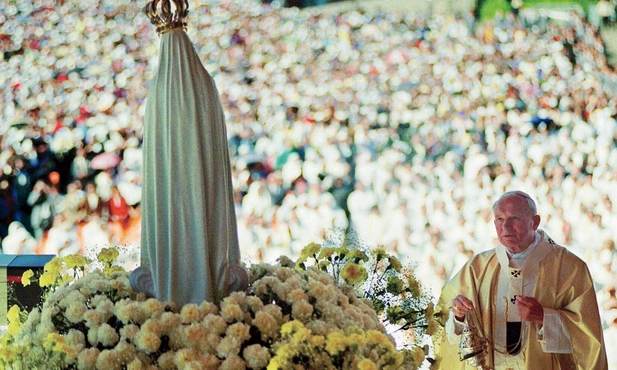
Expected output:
(571, 337)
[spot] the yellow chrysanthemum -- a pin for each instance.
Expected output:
(366, 364)
(395, 285)
(356, 255)
(353, 273)
(111, 269)
(326, 253)
(26, 276)
(108, 255)
(48, 279)
(310, 250)
(54, 266)
(291, 327)
(379, 253)
(76, 260)
(335, 343)
(395, 264)
(13, 315)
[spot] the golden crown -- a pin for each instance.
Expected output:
(171, 15)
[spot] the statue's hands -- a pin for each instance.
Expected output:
(460, 306)
(530, 309)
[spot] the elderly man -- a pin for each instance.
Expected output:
(532, 300)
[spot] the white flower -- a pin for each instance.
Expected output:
(233, 363)
(256, 356)
(109, 360)
(75, 312)
(206, 308)
(190, 313)
(231, 311)
(86, 360)
(266, 324)
(147, 341)
(169, 321)
(228, 346)
(129, 332)
(93, 318)
(76, 339)
(195, 336)
(107, 335)
(302, 310)
(239, 330)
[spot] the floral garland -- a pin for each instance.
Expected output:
(293, 316)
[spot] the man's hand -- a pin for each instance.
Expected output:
(460, 306)
(530, 309)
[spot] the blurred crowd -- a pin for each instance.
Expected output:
(401, 127)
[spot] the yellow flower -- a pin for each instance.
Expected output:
(395, 264)
(357, 255)
(54, 266)
(26, 276)
(310, 250)
(13, 314)
(326, 253)
(353, 273)
(108, 255)
(291, 327)
(366, 364)
(379, 253)
(394, 285)
(111, 269)
(335, 343)
(418, 355)
(48, 279)
(76, 260)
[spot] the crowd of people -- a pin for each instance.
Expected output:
(400, 127)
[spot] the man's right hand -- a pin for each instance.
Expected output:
(460, 306)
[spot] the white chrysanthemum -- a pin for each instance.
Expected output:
(147, 341)
(109, 360)
(131, 312)
(166, 361)
(153, 326)
(233, 363)
(238, 330)
(190, 313)
(231, 311)
(255, 304)
(129, 332)
(296, 295)
(274, 311)
(86, 360)
(76, 339)
(302, 310)
(206, 308)
(153, 308)
(256, 356)
(75, 312)
(126, 352)
(169, 321)
(318, 327)
(240, 299)
(283, 273)
(93, 335)
(93, 318)
(266, 324)
(229, 346)
(107, 335)
(195, 337)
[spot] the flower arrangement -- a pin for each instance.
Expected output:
(328, 310)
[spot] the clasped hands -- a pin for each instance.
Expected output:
(529, 309)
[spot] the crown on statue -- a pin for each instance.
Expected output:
(172, 14)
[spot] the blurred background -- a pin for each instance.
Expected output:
(400, 121)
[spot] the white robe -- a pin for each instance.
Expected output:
(189, 236)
